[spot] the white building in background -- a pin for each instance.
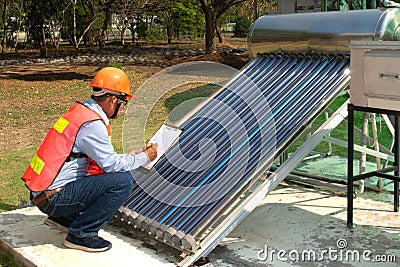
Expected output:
(303, 6)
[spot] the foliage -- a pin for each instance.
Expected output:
(115, 64)
(213, 10)
(7, 262)
(155, 32)
(242, 27)
(40, 13)
(89, 21)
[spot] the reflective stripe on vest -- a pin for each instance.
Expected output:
(56, 147)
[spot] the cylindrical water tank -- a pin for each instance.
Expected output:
(322, 31)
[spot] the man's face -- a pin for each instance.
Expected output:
(113, 106)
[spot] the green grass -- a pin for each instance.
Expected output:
(6, 261)
(12, 189)
(341, 132)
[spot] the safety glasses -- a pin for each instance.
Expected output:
(122, 99)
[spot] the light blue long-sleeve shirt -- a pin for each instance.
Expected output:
(92, 139)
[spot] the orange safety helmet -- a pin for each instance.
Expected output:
(113, 79)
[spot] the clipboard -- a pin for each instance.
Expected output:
(165, 137)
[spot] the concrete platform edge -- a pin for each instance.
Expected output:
(6, 249)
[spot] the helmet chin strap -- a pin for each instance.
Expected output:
(113, 116)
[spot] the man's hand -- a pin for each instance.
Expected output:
(151, 151)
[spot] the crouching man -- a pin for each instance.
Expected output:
(76, 177)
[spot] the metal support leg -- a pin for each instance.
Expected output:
(396, 162)
(350, 160)
(396, 159)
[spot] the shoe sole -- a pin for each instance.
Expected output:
(56, 226)
(75, 246)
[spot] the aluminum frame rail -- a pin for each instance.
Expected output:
(249, 122)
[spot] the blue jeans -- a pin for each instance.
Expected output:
(90, 202)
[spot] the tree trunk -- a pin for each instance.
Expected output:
(169, 32)
(219, 33)
(123, 36)
(169, 36)
(210, 33)
(74, 27)
(43, 48)
(4, 41)
(107, 19)
(210, 17)
(133, 31)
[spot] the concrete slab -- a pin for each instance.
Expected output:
(293, 226)
(294, 222)
(31, 243)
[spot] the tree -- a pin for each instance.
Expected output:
(242, 27)
(177, 14)
(40, 14)
(13, 17)
(169, 11)
(107, 8)
(4, 41)
(122, 14)
(16, 21)
(37, 17)
(130, 14)
(213, 9)
(55, 25)
(85, 14)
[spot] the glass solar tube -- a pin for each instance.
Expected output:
(206, 211)
(192, 199)
(245, 114)
(189, 182)
(225, 154)
(296, 113)
(189, 129)
(341, 80)
(321, 81)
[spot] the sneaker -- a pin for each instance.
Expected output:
(88, 244)
(58, 223)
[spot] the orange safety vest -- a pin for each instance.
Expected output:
(57, 147)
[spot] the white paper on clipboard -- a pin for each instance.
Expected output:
(164, 137)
